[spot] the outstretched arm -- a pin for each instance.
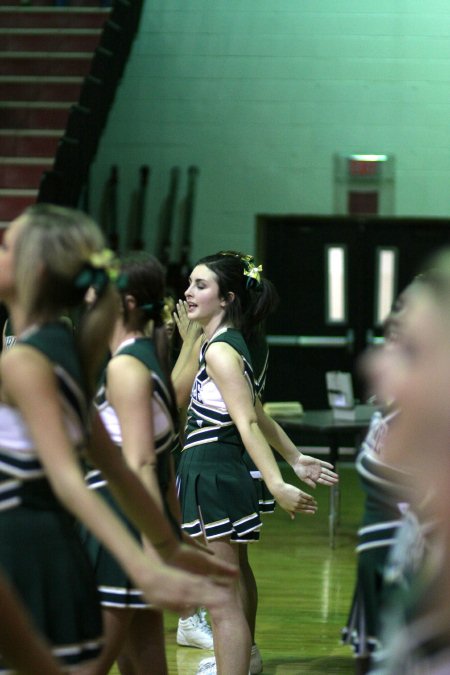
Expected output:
(130, 393)
(145, 512)
(224, 366)
(310, 470)
(129, 390)
(38, 401)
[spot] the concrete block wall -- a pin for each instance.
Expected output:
(260, 94)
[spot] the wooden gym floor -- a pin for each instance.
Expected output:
(305, 590)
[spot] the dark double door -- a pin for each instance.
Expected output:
(336, 277)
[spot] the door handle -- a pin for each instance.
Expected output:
(333, 341)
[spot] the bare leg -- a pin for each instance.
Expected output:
(189, 611)
(144, 649)
(115, 625)
(19, 642)
(362, 665)
(248, 589)
(232, 639)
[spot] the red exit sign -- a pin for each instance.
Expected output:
(363, 168)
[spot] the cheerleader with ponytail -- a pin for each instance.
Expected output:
(49, 258)
(229, 299)
(137, 406)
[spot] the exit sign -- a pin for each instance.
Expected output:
(365, 166)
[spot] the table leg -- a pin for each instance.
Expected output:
(333, 514)
(333, 517)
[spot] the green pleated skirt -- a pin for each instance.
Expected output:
(363, 629)
(44, 559)
(266, 499)
(217, 494)
(115, 588)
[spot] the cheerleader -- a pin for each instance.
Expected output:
(226, 295)
(48, 259)
(309, 469)
(22, 648)
(137, 406)
(416, 373)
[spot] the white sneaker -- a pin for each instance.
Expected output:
(256, 664)
(207, 666)
(195, 632)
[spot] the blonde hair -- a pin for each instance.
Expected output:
(53, 246)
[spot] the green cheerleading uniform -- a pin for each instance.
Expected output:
(217, 494)
(414, 627)
(386, 500)
(259, 352)
(9, 337)
(40, 550)
(115, 587)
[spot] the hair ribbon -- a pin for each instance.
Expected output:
(253, 275)
(153, 309)
(101, 268)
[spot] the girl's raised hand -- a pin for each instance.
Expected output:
(186, 327)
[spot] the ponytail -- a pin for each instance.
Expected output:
(264, 301)
(146, 284)
(93, 333)
(254, 296)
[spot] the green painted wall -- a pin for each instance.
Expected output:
(261, 93)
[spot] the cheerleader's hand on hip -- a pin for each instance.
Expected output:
(293, 500)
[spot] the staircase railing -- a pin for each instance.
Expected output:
(76, 149)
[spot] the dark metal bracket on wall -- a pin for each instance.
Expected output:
(332, 341)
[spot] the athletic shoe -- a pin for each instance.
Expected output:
(195, 632)
(256, 664)
(207, 666)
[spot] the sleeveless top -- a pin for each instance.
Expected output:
(164, 427)
(8, 335)
(384, 486)
(19, 461)
(208, 420)
(259, 351)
